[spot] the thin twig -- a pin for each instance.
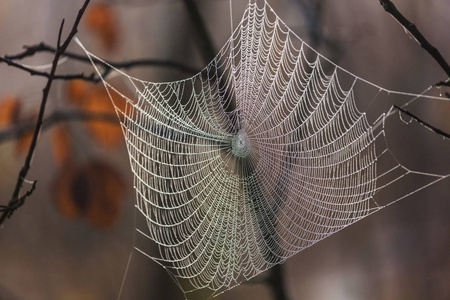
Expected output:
(412, 29)
(57, 117)
(422, 122)
(61, 48)
(42, 47)
(34, 72)
(11, 208)
(444, 83)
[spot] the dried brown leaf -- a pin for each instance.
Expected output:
(64, 195)
(107, 134)
(9, 110)
(93, 191)
(60, 144)
(95, 99)
(77, 91)
(100, 18)
(105, 201)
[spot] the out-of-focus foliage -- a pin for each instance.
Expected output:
(60, 142)
(9, 110)
(101, 20)
(92, 191)
(11, 114)
(93, 98)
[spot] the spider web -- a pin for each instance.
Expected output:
(262, 154)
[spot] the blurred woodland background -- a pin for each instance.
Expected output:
(73, 236)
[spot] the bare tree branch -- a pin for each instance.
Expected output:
(16, 199)
(11, 208)
(42, 47)
(433, 51)
(422, 122)
(34, 72)
(414, 31)
(444, 83)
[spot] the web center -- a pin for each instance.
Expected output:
(240, 144)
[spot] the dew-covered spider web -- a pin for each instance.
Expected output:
(266, 151)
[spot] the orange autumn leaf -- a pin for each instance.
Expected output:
(83, 94)
(77, 90)
(93, 191)
(9, 110)
(60, 144)
(107, 134)
(95, 99)
(98, 101)
(105, 201)
(100, 18)
(64, 195)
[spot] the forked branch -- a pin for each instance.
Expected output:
(433, 51)
(34, 72)
(423, 123)
(42, 47)
(414, 31)
(16, 199)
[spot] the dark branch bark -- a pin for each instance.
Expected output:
(422, 122)
(433, 51)
(414, 31)
(11, 208)
(61, 48)
(34, 72)
(42, 47)
(443, 83)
